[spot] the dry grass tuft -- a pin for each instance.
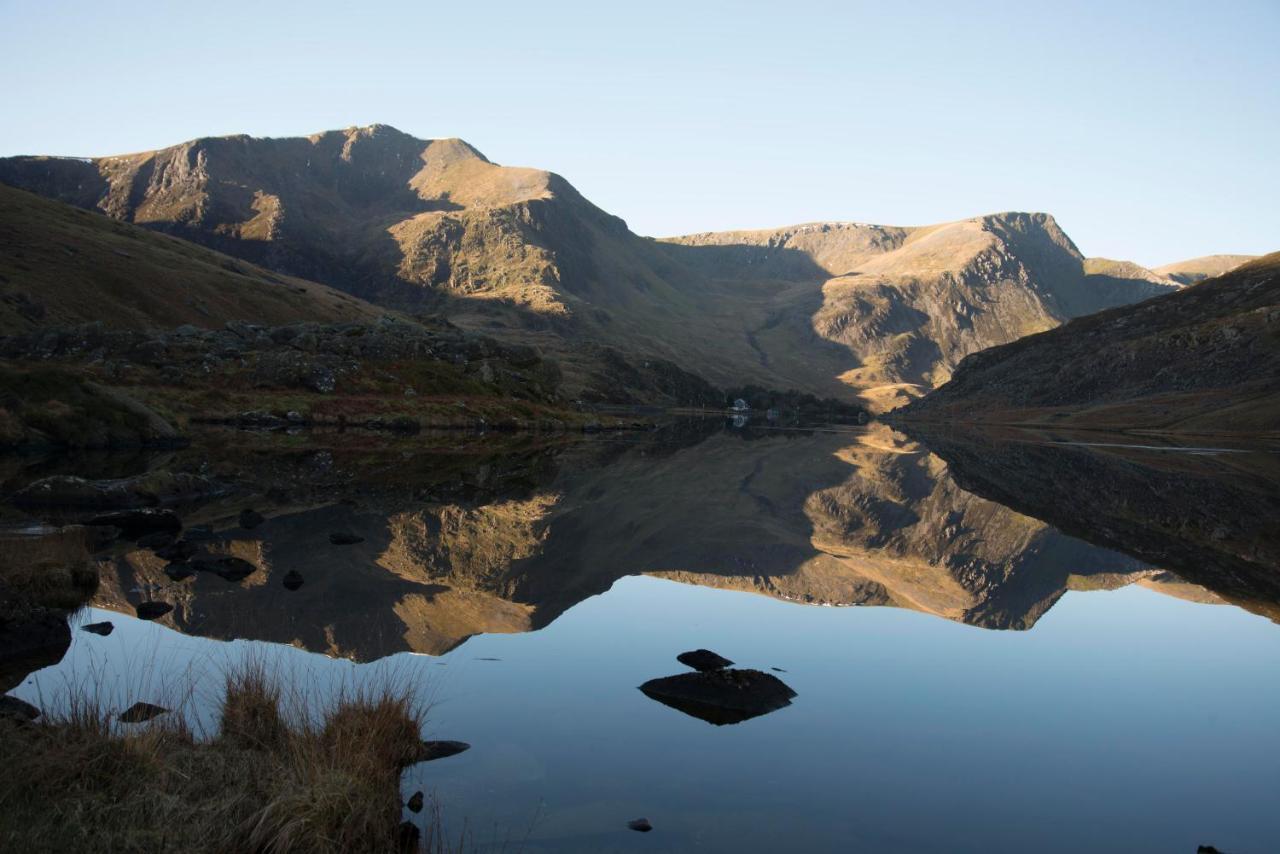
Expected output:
(251, 713)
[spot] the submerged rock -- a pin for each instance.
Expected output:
(415, 802)
(344, 538)
(31, 637)
(250, 518)
(12, 707)
(139, 712)
(137, 523)
(703, 660)
(178, 551)
(145, 490)
(721, 696)
(409, 837)
(104, 628)
(179, 571)
(640, 824)
(292, 580)
(152, 610)
(200, 533)
(156, 540)
(226, 567)
(430, 750)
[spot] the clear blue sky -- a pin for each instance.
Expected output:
(1151, 130)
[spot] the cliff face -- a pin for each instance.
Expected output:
(1203, 359)
(839, 309)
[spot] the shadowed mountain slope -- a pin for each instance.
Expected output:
(1204, 359)
(835, 309)
(61, 266)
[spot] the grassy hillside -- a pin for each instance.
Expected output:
(1203, 359)
(61, 265)
(1198, 269)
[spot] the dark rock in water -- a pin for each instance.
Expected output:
(12, 707)
(640, 824)
(137, 523)
(179, 551)
(104, 628)
(199, 533)
(292, 580)
(440, 749)
(703, 660)
(409, 837)
(156, 540)
(1207, 849)
(343, 538)
(99, 538)
(179, 571)
(152, 610)
(139, 712)
(250, 518)
(721, 696)
(226, 567)
(415, 802)
(777, 670)
(31, 637)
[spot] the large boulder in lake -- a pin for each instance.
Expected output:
(721, 696)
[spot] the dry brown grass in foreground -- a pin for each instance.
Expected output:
(270, 781)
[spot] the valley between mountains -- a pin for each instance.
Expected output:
(370, 224)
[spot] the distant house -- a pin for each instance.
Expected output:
(740, 405)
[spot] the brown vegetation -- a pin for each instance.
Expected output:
(273, 780)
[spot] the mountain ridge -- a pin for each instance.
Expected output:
(876, 313)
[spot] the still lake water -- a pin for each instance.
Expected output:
(1004, 686)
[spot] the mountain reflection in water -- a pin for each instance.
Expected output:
(506, 543)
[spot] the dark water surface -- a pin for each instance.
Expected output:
(1062, 645)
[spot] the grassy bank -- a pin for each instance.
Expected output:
(272, 779)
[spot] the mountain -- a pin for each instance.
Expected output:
(889, 311)
(836, 309)
(1198, 269)
(1203, 359)
(61, 266)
